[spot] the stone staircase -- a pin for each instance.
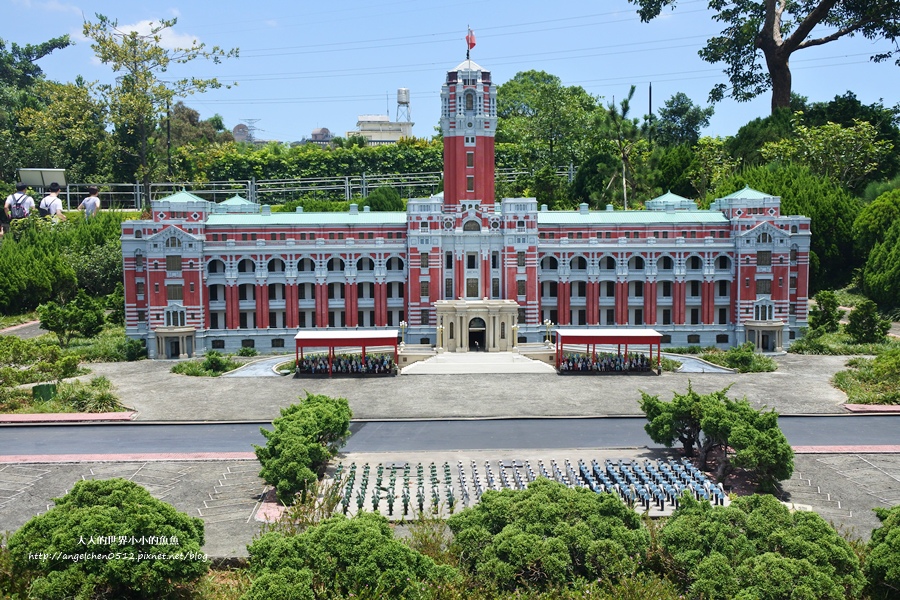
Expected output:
(236, 495)
(467, 363)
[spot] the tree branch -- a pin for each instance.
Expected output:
(837, 34)
(806, 26)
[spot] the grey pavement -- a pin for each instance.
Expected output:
(843, 488)
(800, 385)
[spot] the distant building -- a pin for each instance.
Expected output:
(379, 129)
(461, 269)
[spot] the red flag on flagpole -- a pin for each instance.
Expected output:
(470, 39)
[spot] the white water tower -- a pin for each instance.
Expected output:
(403, 115)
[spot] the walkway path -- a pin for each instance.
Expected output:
(464, 363)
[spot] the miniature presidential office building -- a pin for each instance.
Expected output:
(461, 270)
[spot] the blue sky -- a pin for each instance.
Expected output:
(306, 64)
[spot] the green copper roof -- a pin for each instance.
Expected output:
(310, 219)
(182, 196)
(630, 217)
(235, 200)
(748, 193)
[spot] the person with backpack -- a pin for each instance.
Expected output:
(19, 204)
(51, 205)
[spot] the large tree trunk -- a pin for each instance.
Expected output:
(780, 72)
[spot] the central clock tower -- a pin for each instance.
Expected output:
(468, 125)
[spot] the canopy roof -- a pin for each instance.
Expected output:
(608, 336)
(362, 337)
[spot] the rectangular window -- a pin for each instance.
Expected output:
(495, 260)
(470, 159)
(723, 316)
(495, 288)
(423, 260)
(792, 309)
(448, 260)
(695, 316)
(471, 288)
(423, 289)
(781, 282)
(192, 287)
(667, 289)
(142, 316)
(520, 287)
(763, 286)
(638, 316)
(723, 288)
(665, 235)
(520, 259)
(793, 282)
(470, 183)
(764, 258)
(156, 288)
(471, 260)
(666, 316)
(610, 316)
(175, 292)
(448, 289)
(140, 288)
(173, 263)
(424, 316)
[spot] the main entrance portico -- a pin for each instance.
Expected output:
(469, 325)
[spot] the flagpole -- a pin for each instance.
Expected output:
(468, 46)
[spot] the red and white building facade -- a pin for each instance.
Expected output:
(460, 270)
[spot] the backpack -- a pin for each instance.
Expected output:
(44, 212)
(17, 209)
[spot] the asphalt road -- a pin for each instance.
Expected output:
(412, 436)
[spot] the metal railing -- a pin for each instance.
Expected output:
(280, 191)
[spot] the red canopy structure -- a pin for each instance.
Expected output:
(591, 338)
(314, 338)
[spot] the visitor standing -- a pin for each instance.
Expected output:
(91, 204)
(19, 204)
(51, 205)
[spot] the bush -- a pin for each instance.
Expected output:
(338, 559)
(135, 350)
(83, 316)
(825, 314)
(882, 565)
(742, 358)
(547, 535)
(305, 437)
(865, 325)
(101, 517)
(873, 381)
(94, 397)
(757, 548)
(213, 365)
(247, 351)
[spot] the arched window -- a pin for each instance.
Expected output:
(764, 238)
(578, 264)
(276, 265)
(666, 263)
(246, 266)
(723, 263)
(636, 264)
(608, 263)
(549, 263)
(451, 330)
(365, 264)
(306, 264)
(470, 102)
(216, 266)
(335, 264)
(173, 242)
(472, 226)
(394, 264)
(695, 263)
(502, 331)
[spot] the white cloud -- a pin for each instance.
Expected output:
(169, 38)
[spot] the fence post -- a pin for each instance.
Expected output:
(251, 190)
(347, 193)
(364, 188)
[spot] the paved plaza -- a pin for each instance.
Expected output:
(799, 386)
(226, 493)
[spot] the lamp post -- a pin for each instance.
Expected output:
(548, 324)
(403, 326)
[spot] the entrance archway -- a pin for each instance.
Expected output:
(477, 334)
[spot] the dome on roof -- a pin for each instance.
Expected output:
(468, 65)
